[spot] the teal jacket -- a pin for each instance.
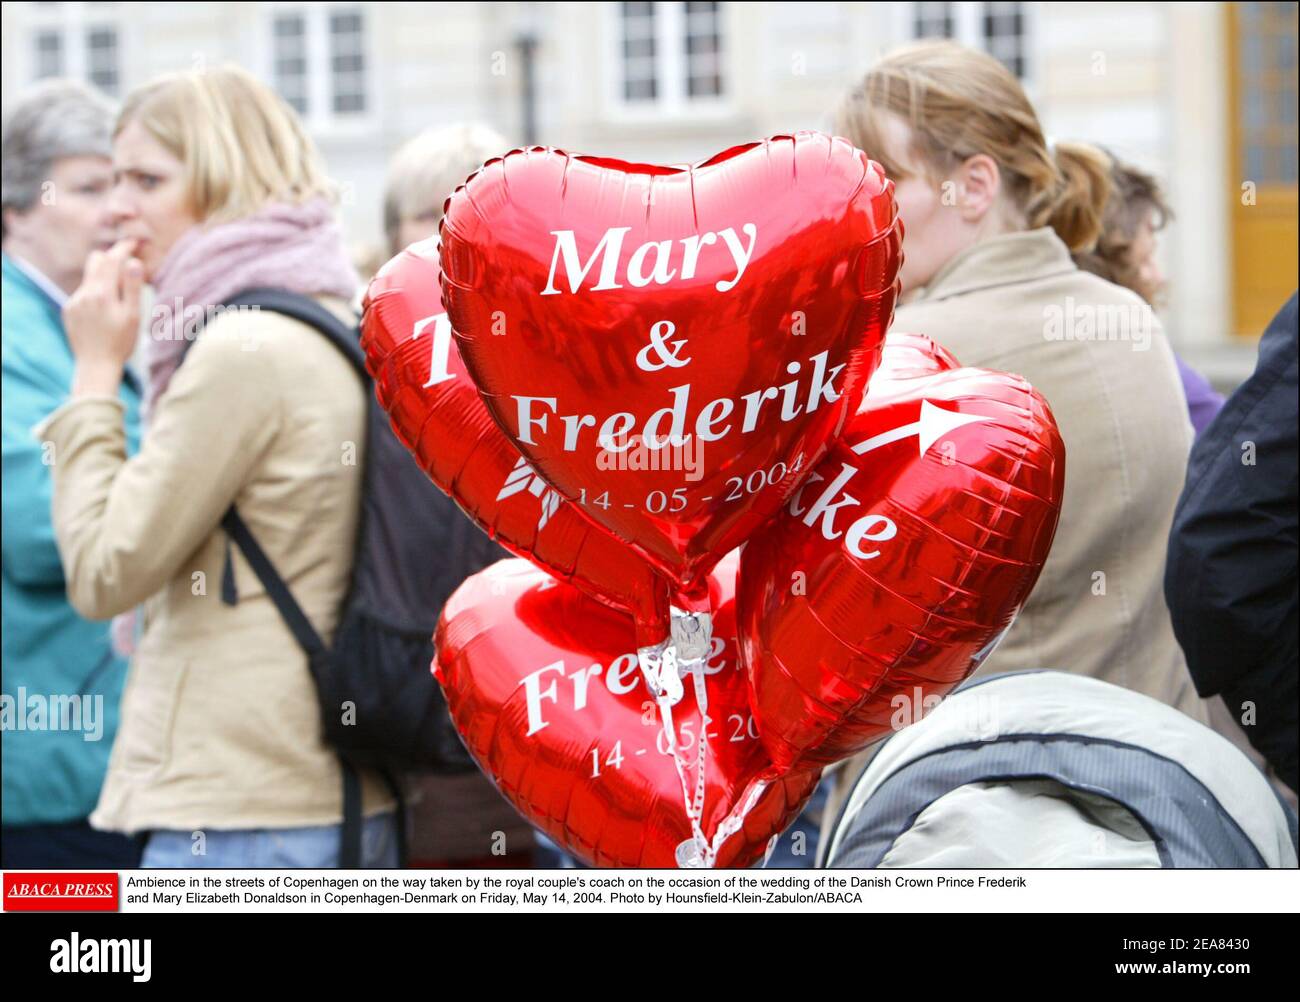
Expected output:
(62, 682)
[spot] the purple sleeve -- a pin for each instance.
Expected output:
(1203, 403)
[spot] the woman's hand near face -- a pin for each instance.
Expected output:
(102, 319)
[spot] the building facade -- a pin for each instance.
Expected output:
(1203, 94)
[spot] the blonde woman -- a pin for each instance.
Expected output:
(991, 215)
(219, 756)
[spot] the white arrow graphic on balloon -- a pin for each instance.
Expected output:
(934, 424)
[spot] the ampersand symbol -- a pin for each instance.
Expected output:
(667, 355)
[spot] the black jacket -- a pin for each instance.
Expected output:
(1231, 575)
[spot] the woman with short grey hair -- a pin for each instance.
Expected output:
(57, 177)
(53, 122)
(455, 820)
(425, 171)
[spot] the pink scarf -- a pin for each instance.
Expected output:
(298, 248)
(294, 247)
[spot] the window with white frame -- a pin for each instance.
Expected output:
(703, 39)
(640, 68)
(76, 40)
(347, 62)
(997, 28)
(670, 55)
(49, 54)
(289, 70)
(318, 61)
(1003, 32)
(101, 58)
(933, 20)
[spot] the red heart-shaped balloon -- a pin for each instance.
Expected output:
(437, 413)
(902, 559)
(544, 686)
(674, 348)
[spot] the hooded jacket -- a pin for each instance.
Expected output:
(1048, 769)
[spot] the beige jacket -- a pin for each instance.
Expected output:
(219, 725)
(1018, 303)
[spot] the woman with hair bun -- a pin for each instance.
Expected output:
(1126, 255)
(991, 214)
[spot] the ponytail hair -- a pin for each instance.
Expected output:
(1076, 208)
(958, 103)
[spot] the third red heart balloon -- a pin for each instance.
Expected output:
(901, 560)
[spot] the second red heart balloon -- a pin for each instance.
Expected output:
(435, 410)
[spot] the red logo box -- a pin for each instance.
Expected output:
(60, 892)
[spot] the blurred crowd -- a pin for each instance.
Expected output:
(1155, 713)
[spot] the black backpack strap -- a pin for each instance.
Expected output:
(399, 795)
(310, 641)
(290, 611)
(305, 309)
(343, 337)
(350, 839)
